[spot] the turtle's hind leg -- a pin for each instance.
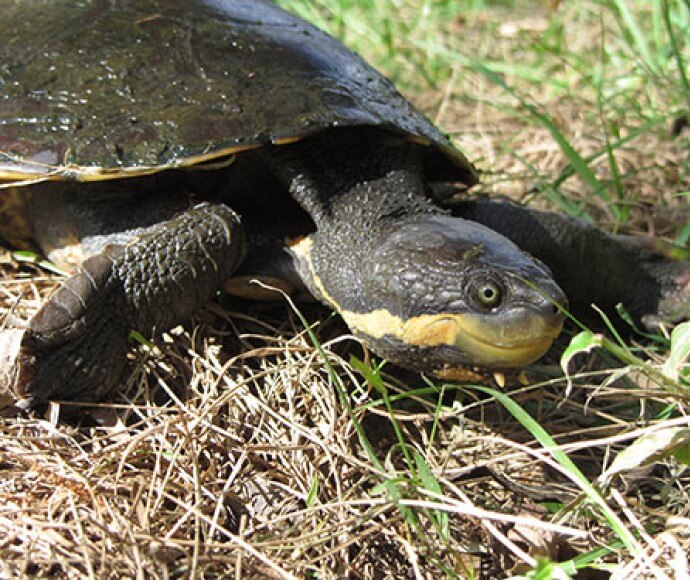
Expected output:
(669, 266)
(74, 347)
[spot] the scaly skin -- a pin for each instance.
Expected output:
(406, 276)
(75, 346)
(594, 267)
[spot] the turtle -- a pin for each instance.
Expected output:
(161, 152)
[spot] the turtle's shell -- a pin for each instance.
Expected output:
(101, 89)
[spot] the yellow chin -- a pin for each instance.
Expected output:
(484, 342)
(505, 343)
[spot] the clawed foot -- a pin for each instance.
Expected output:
(75, 346)
(674, 305)
(669, 266)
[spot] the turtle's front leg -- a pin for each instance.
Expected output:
(74, 348)
(592, 266)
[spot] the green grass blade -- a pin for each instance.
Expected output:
(639, 38)
(29, 257)
(547, 442)
(680, 62)
(576, 160)
(429, 482)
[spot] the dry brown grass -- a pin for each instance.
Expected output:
(229, 451)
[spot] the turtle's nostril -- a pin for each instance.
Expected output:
(554, 304)
(558, 310)
(558, 305)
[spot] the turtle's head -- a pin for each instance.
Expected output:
(444, 293)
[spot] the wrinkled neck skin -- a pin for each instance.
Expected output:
(425, 290)
(357, 187)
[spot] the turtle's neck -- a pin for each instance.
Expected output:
(359, 186)
(353, 177)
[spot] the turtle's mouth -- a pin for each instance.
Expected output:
(511, 341)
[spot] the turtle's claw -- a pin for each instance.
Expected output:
(674, 305)
(75, 346)
(664, 298)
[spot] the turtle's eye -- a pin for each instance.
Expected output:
(487, 293)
